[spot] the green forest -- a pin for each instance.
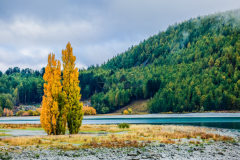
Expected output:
(193, 65)
(20, 87)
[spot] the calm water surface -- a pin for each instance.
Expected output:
(219, 120)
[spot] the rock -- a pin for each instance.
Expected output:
(136, 158)
(138, 151)
(144, 157)
(132, 154)
(148, 155)
(162, 145)
(221, 153)
(195, 149)
(100, 157)
(236, 144)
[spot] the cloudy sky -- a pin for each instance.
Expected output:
(97, 29)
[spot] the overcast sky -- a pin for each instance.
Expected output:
(97, 29)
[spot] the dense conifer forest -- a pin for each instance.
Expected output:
(193, 65)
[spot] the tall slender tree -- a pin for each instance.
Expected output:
(72, 90)
(52, 89)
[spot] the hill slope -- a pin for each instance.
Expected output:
(191, 65)
(139, 107)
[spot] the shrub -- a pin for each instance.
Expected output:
(105, 110)
(89, 111)
(123, 125)
(129, 110)
(19, 113)
(7, 112)
(125, 112)
(30, 112)
(36, 113)
(202, 109)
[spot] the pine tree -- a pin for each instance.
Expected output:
(72, 91)
(52, 88)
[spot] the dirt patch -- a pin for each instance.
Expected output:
(138, 107)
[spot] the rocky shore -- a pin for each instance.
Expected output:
(205, 150)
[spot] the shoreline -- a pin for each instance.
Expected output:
(185, 149)
(179, 115)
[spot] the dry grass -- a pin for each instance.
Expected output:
(4, 134)
(138, 107)
(19, 126)
(136, 135)
(101, 128)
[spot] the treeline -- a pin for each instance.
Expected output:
(25, 86)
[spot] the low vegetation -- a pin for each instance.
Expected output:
(19, 126)
(7, 112)
(128, 111)
(134, 135)
(89, 110)
(28, 113)
(123, 125)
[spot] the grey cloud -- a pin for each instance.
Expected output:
(98, 30)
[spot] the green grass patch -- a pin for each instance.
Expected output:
(2, 131)
(34, 129)
(3, 134)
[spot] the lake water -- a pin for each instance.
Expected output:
(219, 120)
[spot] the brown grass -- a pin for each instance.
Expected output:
(138, 107)
(136, 135)
(19, 126)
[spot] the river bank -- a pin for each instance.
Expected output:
(207, 151)
(137, 142)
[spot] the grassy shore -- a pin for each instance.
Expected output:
(136, 142)
(136, 135)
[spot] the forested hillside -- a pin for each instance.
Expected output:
(193, 65)
(25, 86)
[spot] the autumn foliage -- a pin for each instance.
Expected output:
(60, 105)
(52, 88)
(71, 90)
(7, 112)
(89, 110)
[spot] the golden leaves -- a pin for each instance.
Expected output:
(52, 88)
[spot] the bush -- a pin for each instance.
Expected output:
(125, 112)
(105, 110)
(7, 112)
(19, 113)
(36, 113)
(30, 112)
(89, 111)
(202, 109)
(129, 110)
(123, 125)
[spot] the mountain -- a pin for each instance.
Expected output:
(192, 66)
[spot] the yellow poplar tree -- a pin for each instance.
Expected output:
(52, 89)
(71, 90)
